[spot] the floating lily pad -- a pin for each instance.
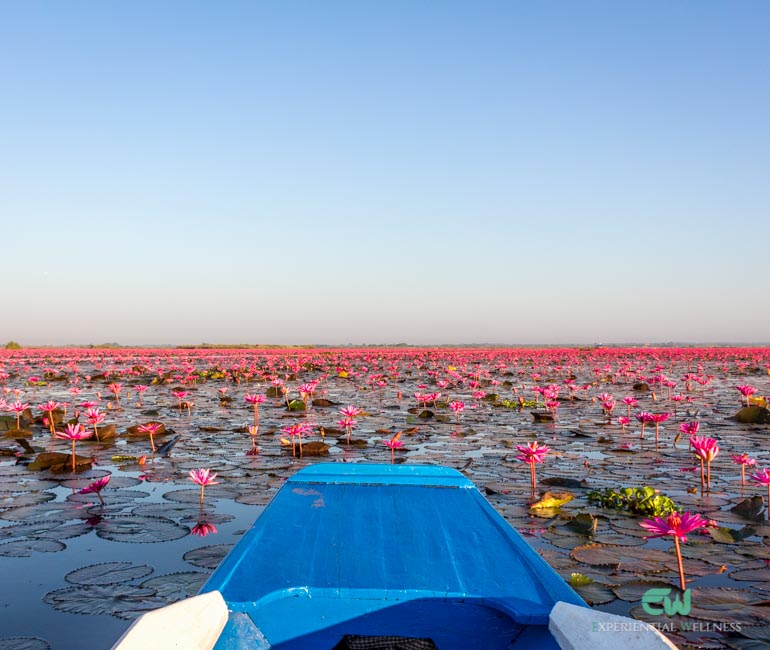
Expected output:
(140, 530)
(24, 643)
(53, 529)
(176, 586)
(108, 573)
(25, 547)
(633, 591)
(761, 574)
(121, 600)
(207, 557)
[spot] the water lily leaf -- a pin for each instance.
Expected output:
(761, 574)
(24, 643)
(561, 481)
(54, 529)
(633, 591)
(207, 557)
(193, 495)
(583, 524)
(25, 548)
(108, 573)
(553, 500)
(123, 601)
(718, 598)
(26, 499)
(595, 593)
(140, 530)
(746, 644)
(176, 586)
(752, 509)
(635, 560)
(757, 632)
(42, 512)
(730, 536)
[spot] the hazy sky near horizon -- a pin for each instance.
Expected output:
(364, 172)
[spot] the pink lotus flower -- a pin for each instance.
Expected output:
(677, 526)
(394, 443)
(762, 477)
(623, 421)
(180, 395)
(706, 449)
(203, 477)
(96, 487)
(532, 454)
(629, 402)
(202, 528)
(18, 408)
(747, 391)
(297, 431)
(351, 411)
(744, 460)
(658, 418)
(94, 417)
(49, 407)
(458, 407)
(115, 390)
(140, 389)
(74, 433)
(253, 432)
(150, 428)
(643, 418)
(255, 400)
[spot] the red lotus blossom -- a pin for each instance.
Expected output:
(706, 449)
(458, 407)
(394, 443)
(203, 477)
(532, 454)
(747, 391)
(201, 529)
(96, 487)
(297, 431)
(744, 460)
(49, 407)
(677, 526)
(150, 428)
(255, 400)
(74, 432)
(253, 432)
(18, 408)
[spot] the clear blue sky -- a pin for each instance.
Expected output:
(364, 171)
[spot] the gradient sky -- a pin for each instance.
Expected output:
(366, 172)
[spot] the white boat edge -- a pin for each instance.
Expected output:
(197, 622)
(580, 628)
(193, 624)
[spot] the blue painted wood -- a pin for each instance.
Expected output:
(397, 550)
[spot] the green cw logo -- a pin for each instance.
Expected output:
(670, 607)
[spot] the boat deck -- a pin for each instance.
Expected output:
(397, 550)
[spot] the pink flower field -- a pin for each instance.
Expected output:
(126, 475)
